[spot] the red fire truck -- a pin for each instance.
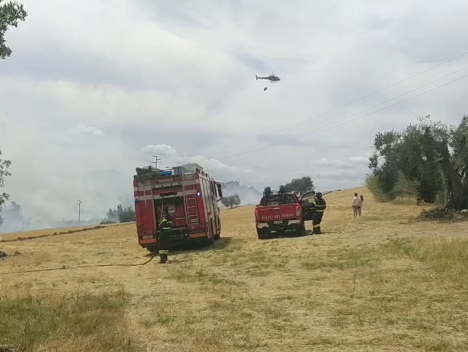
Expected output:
(191, 197)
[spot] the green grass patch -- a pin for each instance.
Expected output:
(32, 323)
(343, 259)
(442, 255)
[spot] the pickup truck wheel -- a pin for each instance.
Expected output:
(302, 230)
(261, 235)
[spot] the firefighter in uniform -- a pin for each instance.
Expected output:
(320, 206)
(310, 207)
(165, 227)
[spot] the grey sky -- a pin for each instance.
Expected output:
(90, 84)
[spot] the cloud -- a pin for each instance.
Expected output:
(225, 171)
(217, 169)
(178, 79)
(81, 129)
(354, 161)
(359, 159)
(160, 149)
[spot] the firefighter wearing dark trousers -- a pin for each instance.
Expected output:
(165, 227)
(320, 206)
(310, 207)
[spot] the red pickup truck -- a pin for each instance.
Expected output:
(281, 212)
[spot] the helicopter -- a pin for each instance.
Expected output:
(272, 78)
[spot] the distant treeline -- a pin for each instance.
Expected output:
(119, 215)
(231, 201)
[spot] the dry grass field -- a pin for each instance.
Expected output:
(378, 283)
(9, 237)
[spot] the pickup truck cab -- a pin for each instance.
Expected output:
(281, 212)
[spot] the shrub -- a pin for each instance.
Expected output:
(443, 214)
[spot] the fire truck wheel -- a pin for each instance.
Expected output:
(210, 241)
(152, 249)
(211, 235)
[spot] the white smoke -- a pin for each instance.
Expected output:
(13, 220)
(247, 195)
(85, 163)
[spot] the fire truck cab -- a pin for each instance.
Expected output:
(191, 197)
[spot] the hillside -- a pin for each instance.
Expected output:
(378, 283)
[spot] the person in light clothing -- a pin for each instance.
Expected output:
(356, 205)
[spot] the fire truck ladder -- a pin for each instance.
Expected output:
(191, 210)
(191, 206)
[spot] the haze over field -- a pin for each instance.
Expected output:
(82, 105)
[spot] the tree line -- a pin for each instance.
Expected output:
(300, 186)
(119, 215)
(231, 201)
(427, 160)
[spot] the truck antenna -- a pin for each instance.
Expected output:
(79, 211)
(155, 162)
